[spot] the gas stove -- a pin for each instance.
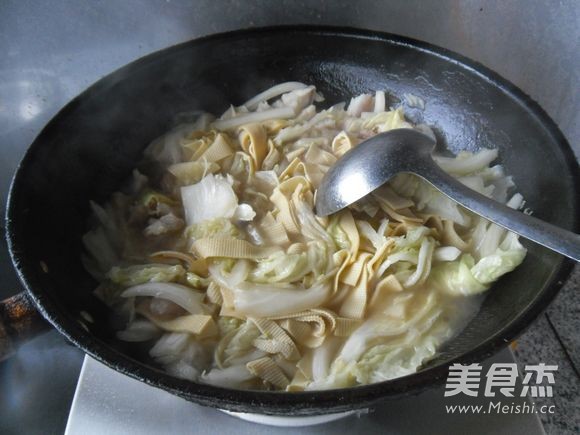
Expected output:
(109, 402)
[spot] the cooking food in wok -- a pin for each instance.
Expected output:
(90, 149)
(216, 260)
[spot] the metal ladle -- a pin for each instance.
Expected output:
(376, 160)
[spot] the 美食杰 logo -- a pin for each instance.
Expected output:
(466, 379)
(501, 380)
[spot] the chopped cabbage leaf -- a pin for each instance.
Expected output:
(506, 258)
(218, 227)
(139, 274)
(211, 198)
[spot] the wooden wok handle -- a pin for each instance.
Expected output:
(19, 322)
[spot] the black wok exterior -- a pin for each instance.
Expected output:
(91, 146)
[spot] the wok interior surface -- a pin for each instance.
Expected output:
(91, 147)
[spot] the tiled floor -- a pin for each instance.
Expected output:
(554, 339)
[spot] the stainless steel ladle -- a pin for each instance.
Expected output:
(376, 160)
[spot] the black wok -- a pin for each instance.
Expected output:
(91, 146)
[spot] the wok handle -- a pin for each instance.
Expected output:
(19, 322)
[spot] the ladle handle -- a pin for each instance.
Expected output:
(562, 241)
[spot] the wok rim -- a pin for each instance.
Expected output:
(281, 403)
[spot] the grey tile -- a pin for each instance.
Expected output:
(540, 345)
(564, 313)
